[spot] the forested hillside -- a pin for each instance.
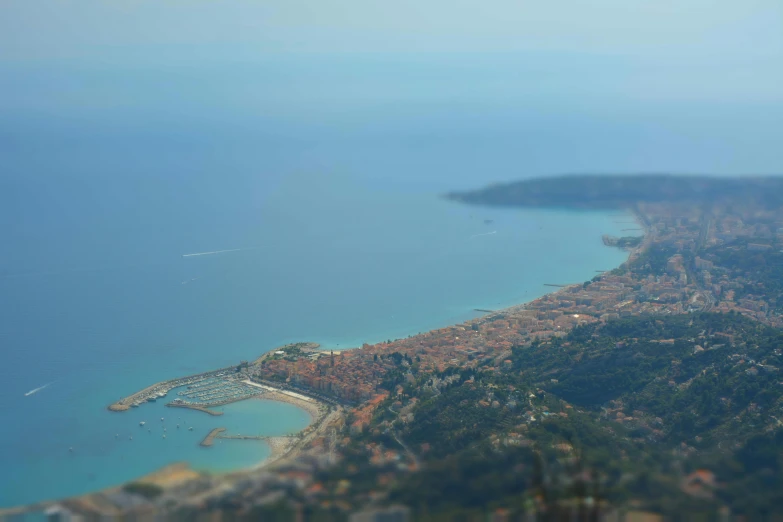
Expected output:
(637, 404)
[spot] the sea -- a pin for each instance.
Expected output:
(318, 180)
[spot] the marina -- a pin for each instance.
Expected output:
(204, 390)
(214, 391)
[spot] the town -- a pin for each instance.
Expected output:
(681, 281)
(689, 259)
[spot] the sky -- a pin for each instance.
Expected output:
(716, 30)
(706, 72)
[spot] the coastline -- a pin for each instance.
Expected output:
(312, 408)
(290, 446)
(281, 450)
(285, 448)
(316, 409)
(279, 447)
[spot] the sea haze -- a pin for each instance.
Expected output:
(322, 173)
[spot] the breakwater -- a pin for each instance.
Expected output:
(210, 438)
(194, 407)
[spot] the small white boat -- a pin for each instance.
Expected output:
(190, 429)
(164, 435)
(142, 423)
(161, 419)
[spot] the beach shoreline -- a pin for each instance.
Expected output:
(287, 448)
(313, 409)
(318, 411)
(291, 446)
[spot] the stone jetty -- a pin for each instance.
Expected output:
(210, 438)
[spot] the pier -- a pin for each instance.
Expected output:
(194, 407)
(210, 438)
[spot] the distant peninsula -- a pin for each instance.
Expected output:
(608, 192)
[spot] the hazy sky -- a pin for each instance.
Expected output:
(720, 30)
(696, 84)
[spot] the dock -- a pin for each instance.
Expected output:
(194, 407)
(160, 390)
(210, 438)
(243, 437)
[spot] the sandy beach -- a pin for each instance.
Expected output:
(280, 447)
(289, 446)
(314, 409)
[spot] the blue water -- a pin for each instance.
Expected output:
(93, 300)
(120, 152)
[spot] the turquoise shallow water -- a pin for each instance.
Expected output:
(113, 449)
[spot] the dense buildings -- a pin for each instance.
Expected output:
(674, 271)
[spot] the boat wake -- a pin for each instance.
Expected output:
(36, 390)
(215, 252)
(484, 234)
